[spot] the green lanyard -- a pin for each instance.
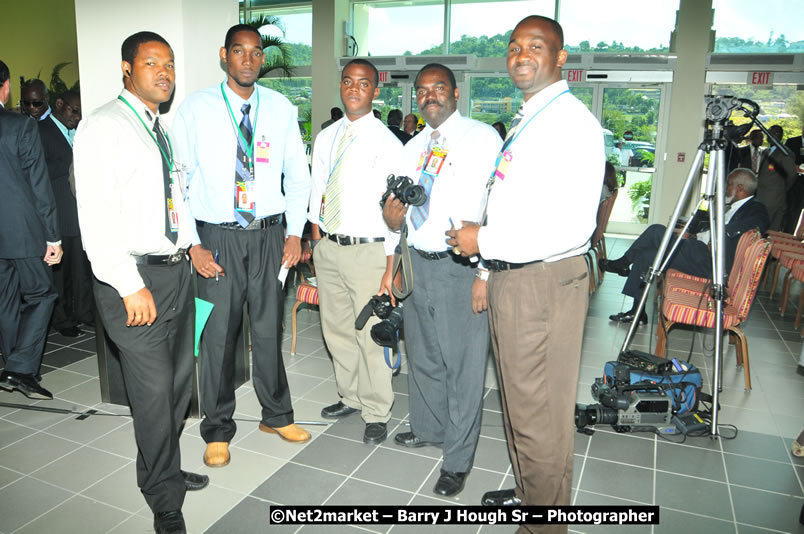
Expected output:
(168, 160)
(250, 146)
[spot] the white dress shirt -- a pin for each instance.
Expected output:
(545, 207)
(120, 192)
(372, 155)
(732, 209)
(459, 190)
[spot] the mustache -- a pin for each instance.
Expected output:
(429, 102)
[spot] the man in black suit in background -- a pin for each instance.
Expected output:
(777, 175)
(72, 277)
(28, 233)
(750, 155)
(394, 120)
(795, 146)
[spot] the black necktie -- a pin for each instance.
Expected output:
(243, 164)
(160, 138)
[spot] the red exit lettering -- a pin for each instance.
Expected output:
(760, 78)
(575, 75)
(383, 76)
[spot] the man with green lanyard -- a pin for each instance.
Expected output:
(136, 230)
(538, 289)
(246, 172)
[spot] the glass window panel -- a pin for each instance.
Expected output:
(390, 97)
(743, 26)
(400, 27)
(298, 31)
(780, 104)
(300, 92)
(493, 98)
(618, 26)
(484, 28)
(584, 94)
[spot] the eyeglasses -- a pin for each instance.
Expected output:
(34, 104)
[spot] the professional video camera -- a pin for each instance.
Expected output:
(405, 190)
(638, 408)
(384, 332)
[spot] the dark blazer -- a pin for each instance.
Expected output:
(404, 137)
(752, 214)
(59, 157)
(27, 210)
(794, 144)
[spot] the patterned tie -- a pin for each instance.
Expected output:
(419, 214)
(754, 158)
(243, 165)
(160, 138)
(332, 195)
(508, 139)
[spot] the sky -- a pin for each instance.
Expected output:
(394, 30)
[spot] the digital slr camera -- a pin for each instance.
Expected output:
(637, 408)
(384, 332)
(405, 190)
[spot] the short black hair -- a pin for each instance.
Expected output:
(5, 74)
(433, 66)
(132, 44)
(394, 117)
(557, 29)
(227, 42)
(365, 63)
(34, 83)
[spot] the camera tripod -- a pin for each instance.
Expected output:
(716, 137)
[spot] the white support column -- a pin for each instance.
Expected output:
(195, 30)
(329, 17)
(685, 126)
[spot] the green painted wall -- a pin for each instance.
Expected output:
(36, 36)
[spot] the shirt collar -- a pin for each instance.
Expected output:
(363, 122)
(237, 101)
(540, 99)
(447, 127)
(63, 129)
(139, 106)
(46, 113)
(739, 203)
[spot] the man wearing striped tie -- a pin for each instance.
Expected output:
(446, 327)
(247, 174)
(351, 161)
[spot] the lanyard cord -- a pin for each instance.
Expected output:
(249, 146)
(520, 130)
(169, 160)
(331, 148)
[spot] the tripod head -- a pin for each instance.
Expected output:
(718, 110)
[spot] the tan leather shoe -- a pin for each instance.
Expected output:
(217, 454)
(293, 432)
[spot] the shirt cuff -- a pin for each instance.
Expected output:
(54, 243)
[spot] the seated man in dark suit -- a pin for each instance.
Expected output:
(72, 276)
(692, 255)
(394, 120)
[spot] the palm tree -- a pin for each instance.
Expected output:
(277, 52)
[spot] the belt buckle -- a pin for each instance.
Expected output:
(173, 259)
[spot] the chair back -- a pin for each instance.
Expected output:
(746, 240)
(603, 214)
(746, 287)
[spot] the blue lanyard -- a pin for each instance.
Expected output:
(520, 130)
(249, 146)
(331, 148)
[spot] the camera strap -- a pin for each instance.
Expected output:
(402, 264)
(398, 360)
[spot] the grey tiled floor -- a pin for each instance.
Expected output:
(62, 474)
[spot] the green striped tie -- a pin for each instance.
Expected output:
(332, 196)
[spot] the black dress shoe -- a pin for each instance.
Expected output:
(25, 384)
(375, 433)
(169, 523)
(505, 497)
(412, 441)
(627, 317)
(450, 483)
(337, 410)
(71, 331)
(194, 481)
(619, 266)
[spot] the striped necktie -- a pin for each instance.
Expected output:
(332, 195)
(419, 214)
(243, 164)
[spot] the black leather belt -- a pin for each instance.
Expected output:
(431, 255)
(344, 240)
(166, 259)
(497, 265)
(256, 224)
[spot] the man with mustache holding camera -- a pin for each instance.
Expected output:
(354, 257)
(446, 329)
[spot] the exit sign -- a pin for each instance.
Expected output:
(760, 78)
(575, 75)
(383, 76)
